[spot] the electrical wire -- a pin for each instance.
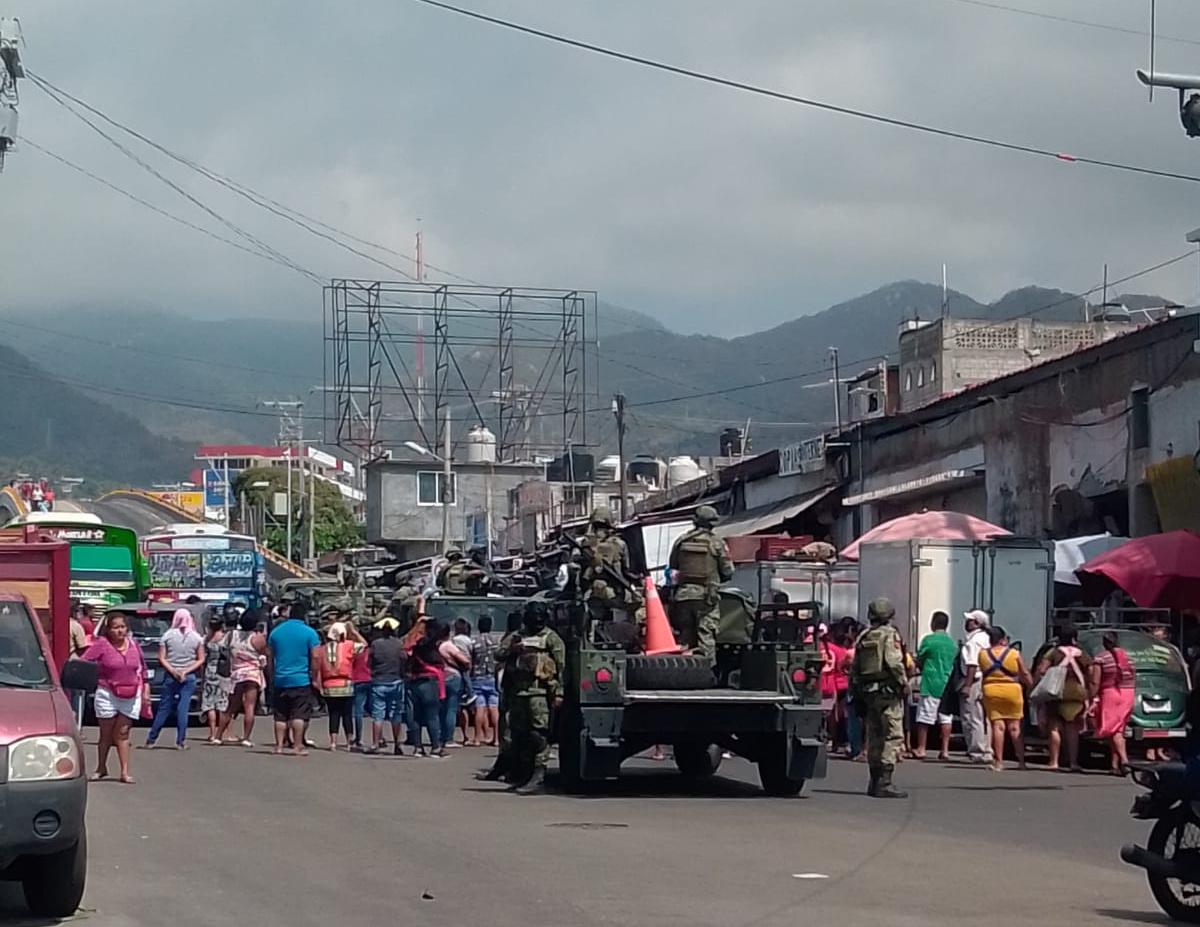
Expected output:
(779, 95)
(1037, 14)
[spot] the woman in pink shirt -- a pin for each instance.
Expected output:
(121, 691)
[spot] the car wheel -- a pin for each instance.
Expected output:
(54, 884)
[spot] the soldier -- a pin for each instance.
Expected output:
(701, 563)
(479, 579)
(878, 681)
(533, 661)
(505, 765)
(604, 548)
(452, 578)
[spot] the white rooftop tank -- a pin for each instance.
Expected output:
(682, 470)
(481, 445)
(607, 471)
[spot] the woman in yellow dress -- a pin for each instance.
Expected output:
(1005, 678)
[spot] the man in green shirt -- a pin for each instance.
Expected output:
(935, 660)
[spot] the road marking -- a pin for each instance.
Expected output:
(809, 875)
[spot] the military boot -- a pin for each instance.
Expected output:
(873, 785)
(885, 789)
(495, 774)
(536, 784)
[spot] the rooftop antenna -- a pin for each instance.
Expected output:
(420, 340)
(945, 295)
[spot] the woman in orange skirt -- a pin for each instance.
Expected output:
(1005, 677)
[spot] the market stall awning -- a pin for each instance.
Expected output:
(766, 517)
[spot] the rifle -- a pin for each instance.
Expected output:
(606, 570)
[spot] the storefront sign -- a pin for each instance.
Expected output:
(805, 457)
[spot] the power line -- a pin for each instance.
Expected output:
(25, 140)
(732, 84)
(258, 243)
(1037, 14)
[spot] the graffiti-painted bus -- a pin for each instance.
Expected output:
(205, 560)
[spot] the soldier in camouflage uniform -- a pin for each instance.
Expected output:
(701, 563)
(604, 547)
(533, 660)
(878, 681)
(452, 578)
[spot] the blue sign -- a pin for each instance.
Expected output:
(215, 490)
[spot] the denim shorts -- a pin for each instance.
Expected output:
(486, 695)
(386, 702)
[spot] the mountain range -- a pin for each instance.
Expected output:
(128, 393)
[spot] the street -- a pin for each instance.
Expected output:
(221, 835)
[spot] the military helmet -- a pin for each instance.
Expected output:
(705, 517)
(881, 609)
(453, 554)
(602, 515)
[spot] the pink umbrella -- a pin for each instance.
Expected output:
(943, 526)
(1158, 571)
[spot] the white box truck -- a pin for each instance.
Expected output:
(1010, 578)
(833, 585)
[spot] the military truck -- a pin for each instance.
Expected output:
(761, 700)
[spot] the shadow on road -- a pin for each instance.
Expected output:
(1134, 917)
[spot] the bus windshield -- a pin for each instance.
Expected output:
(102, 564)
(207, 569)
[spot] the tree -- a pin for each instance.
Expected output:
(334, 526)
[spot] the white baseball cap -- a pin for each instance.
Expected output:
(979, 616)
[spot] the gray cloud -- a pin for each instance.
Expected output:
(531, 164)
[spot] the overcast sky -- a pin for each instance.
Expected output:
(533, 164)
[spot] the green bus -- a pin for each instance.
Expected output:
(107, 566)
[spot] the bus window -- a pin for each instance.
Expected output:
(101, 563)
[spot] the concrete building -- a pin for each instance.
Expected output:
(1105, 438)
(404, 507)
(942, 357)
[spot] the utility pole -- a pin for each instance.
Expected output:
(291, 435)
(837, 389)
(618, 408)
(447, 495)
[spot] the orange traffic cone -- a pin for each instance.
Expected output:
(659, 637)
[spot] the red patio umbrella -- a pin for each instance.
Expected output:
(943, 526)
(1158, 571)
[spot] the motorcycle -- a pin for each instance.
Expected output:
(1172, 866)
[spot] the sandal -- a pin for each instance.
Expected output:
(98, 776)
(127, 780)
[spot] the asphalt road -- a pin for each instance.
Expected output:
(222, 835)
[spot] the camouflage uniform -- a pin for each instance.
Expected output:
(607, 548)
(452, 578)
(701, 562)
(533, 663)
(877, 681)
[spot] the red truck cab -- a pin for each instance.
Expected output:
(43, 789)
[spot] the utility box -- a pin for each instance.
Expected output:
(1010, 578)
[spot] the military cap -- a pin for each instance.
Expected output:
(881, 609)
(705, 517)
(602, 515)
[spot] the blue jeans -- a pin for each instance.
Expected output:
(387, 701)
(427, 712)
(450, 705)
(177, 697)
(361, 691)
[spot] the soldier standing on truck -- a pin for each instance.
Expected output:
(452, 578)
(603, 548)
(878, 680)
(533, 661)
(701, 563)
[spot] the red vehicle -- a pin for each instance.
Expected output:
(43, 792)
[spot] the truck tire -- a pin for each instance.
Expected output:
(669, 671)
(53, 884)
(697, 761)
(772, 771)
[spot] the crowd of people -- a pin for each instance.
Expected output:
(986, 683)
(432, 688)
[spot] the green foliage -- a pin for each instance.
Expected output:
(334, 526)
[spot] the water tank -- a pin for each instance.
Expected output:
(682, 470)
(647, 469)
(481, 445)
(607, 469)
(731, 442)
